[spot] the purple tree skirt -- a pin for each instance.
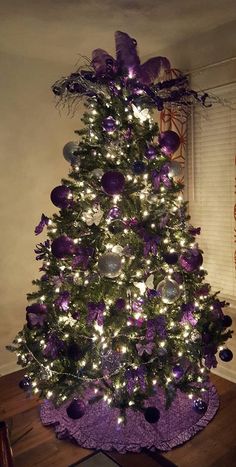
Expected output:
(98, 428)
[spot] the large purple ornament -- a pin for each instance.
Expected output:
(178, 371)
(191, 260)
(169, 141)
(61, 196)
(76, 409)
(109, 124)
(151, 152)
(113, 182)
(226, 355)
(199, 406)
(62, 246)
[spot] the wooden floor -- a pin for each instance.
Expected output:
(36, 446)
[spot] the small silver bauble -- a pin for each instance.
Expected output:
(169, 290)
(109, 265)
(71, 151)
(176, 169)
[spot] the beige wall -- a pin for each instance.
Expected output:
(39, 42)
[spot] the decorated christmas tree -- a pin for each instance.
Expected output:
(122, 307)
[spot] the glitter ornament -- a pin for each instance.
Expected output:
(71, 152)
(169, 141)
(168, 290)
(151, 152)
(191, 260)
(109, 265)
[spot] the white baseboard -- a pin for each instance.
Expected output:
(7, 368)
(226, 373)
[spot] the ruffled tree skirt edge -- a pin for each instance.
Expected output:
(98, 428)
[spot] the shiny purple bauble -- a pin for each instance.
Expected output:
(61, 196)
(170, 258)
(115, 213)
(169, 142)
(76, 409)
(191, 260)
(151, 152)
(178, 371)
(113, 182)
(226, 355)
(226, 321)
(62, 246)
(151, 414)
(199, 406)
(109, 124)
(25, 383)
(138, 167)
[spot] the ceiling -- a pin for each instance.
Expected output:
(60, 30)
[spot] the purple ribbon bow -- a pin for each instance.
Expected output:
(53, 347)
(135, 377)
(150, 244)
(82, 257)
(188, 317)
(148, 348)
(156, 326)
(36, 314)
(42, 249)
(63, 301)
(127, 61)
(42, 223)
(95, 312)
(161, 176)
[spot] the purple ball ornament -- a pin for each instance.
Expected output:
(170, 258)
(169, 142)
(191, 260)
(61, 196)
(226, 321)
(74, 351)
(25, 383)
(76, 409)
(151, 414)
(151, 152)
(109, 124)
(226, 355)
(113, 182)
(199, 406)
(115, 213)
(62, 246)
(178, 371)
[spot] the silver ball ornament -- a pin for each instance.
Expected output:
(71, 151)
(169, 291)
(176, 169)
(109, 265)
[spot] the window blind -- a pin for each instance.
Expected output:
(211, 151)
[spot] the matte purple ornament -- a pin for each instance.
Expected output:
(74, 351)
(113, 182)
(191, 260)
(151, 152)
(178, 371)
(63, 246)
(138, 167)
(76, 409)
(170, 258)
(109, 124)
(61, 196)
(226, 321)
(226, 355)
(200, 406)
(152, 414)
(169, 141)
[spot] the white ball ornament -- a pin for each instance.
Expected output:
(169, 290)
(109, 265)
